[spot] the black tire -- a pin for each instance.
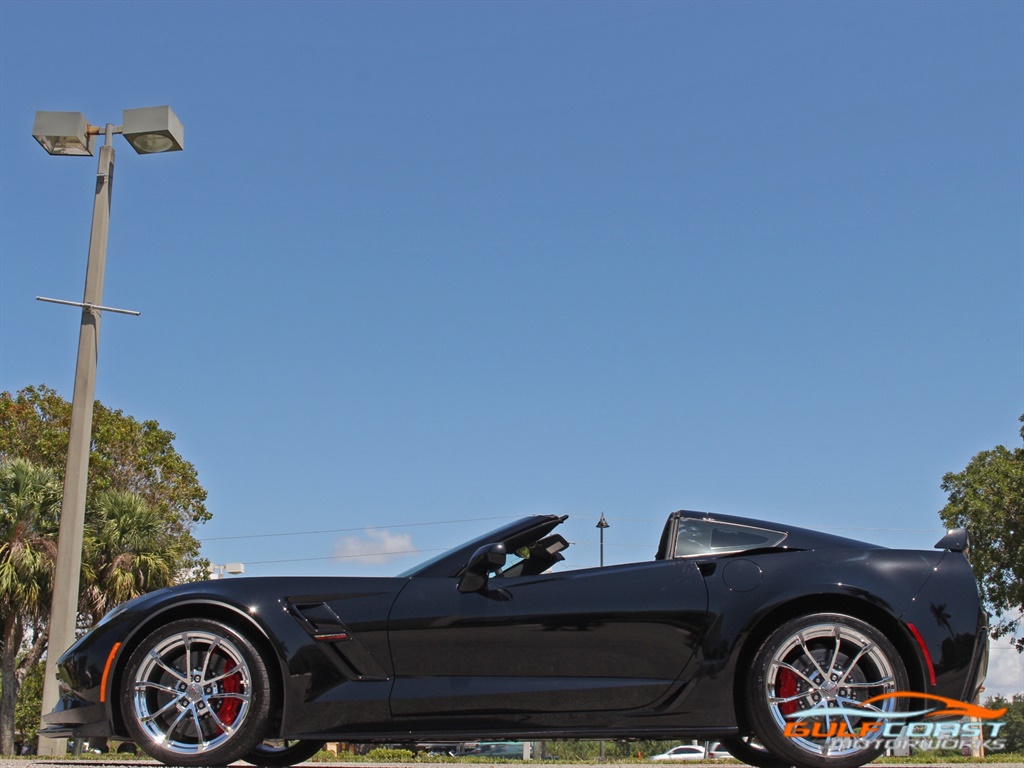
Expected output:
(196, 692)
(819, 662)
(744, 749)
(281, 753)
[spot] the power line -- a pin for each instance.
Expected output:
(343, 557)
(352, 530)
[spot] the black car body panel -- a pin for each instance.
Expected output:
(652, 649)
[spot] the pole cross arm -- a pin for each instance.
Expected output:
(90, 307)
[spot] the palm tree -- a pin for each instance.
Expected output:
(29, 502)
(129, 550)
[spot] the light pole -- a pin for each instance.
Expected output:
(602, 524)
(149, 130)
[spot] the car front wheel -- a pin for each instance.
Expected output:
(196, 692)
(820, 675)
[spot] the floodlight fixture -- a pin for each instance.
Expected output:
(62, 133)
(153, 129)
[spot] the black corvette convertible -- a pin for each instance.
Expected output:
(735, 628)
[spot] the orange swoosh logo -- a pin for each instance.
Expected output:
(951, 707)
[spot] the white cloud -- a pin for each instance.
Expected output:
(374, 546)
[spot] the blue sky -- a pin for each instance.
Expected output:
(425, 262)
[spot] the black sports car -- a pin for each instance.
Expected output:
(735, 628)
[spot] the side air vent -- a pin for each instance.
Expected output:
(326, 627)
(323, 623)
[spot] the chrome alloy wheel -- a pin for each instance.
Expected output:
(191, 692)
(826, 667)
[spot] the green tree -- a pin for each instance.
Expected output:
(29, 500)
(30, 699)
(987, 498)
(126, 455)
(129, 550)
(1013, 731)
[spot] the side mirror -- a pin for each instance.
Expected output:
(484, 561)
(956, 540)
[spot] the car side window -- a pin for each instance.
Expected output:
(709, 537)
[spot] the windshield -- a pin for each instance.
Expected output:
(525, 533)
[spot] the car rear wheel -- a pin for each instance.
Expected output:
(280, 753)
(815, 673)
(196, 692)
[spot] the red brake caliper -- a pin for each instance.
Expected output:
(785, 688)
(228, 709)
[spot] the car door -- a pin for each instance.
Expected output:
(598, 639)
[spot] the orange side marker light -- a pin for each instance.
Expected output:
(106, 672)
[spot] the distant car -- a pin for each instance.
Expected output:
(734, 627)
(682, 752)
(694, 752)
(717, 751)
